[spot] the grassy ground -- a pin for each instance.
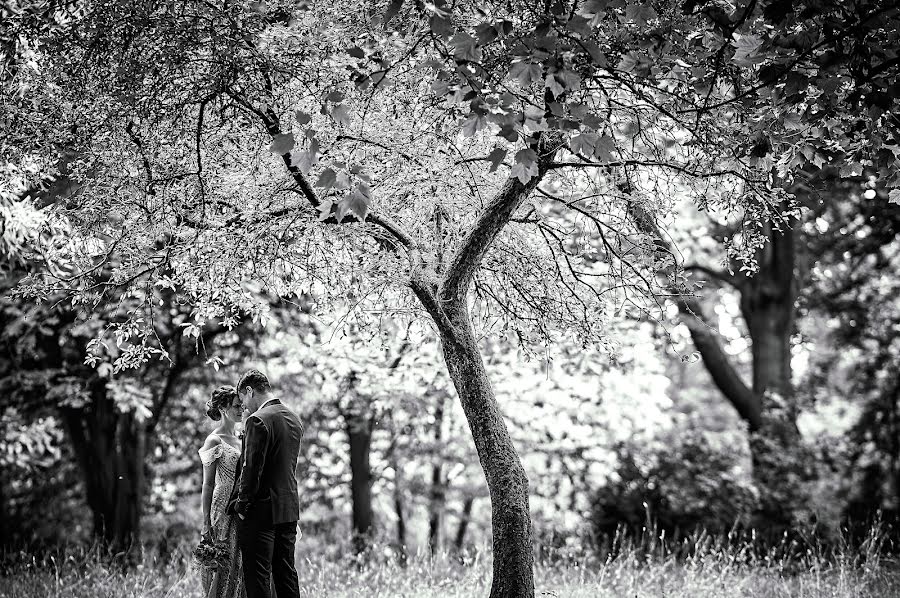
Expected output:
(711, 572)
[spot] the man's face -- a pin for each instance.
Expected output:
(248, 399)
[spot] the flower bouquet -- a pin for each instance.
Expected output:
(211, 553)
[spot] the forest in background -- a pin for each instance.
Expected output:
(638, 433)
(619, 266)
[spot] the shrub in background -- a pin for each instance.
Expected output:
(675, 485)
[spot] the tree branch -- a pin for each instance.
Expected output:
(490, 222)
(403, 155)
(270, 121)
(706, 339)
(659, 164)
(172, 376)
(720, 275)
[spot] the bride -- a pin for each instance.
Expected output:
(220, 455)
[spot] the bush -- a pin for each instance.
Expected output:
(675, 486)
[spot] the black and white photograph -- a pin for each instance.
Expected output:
(450, 298)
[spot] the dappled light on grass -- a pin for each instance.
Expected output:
(716, 568)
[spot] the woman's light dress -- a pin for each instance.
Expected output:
(224, 582)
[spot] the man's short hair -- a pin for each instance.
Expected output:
(255, 380)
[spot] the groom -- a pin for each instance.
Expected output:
(265, 499)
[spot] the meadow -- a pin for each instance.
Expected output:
(714, 569)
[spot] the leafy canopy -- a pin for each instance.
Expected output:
(219, 144)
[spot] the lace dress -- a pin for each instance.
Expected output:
(223, 582)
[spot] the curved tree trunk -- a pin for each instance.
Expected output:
(443, 295)
(513, 567)
(768, 306)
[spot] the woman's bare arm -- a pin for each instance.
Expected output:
(209, 483)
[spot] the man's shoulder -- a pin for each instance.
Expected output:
(281, 411)
(275, 410)
(263, 414)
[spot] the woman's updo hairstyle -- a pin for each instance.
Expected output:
(222, 398)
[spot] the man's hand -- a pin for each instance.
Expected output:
(234, 509)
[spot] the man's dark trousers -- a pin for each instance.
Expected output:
(267, 552)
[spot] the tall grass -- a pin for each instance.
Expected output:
(712, 567)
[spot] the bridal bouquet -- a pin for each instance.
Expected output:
(211, 553)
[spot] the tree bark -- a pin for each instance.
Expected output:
(438, 491)
(513, 567)
(464, 517)
(110, 448)
(767, 305)
(359, 432)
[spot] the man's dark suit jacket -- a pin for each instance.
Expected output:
(267, 488)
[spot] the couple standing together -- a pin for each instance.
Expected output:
(250, 499)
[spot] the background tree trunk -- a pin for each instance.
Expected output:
(399, 510)
(462, 528)
(5, 543)
(397, 492)
(359, 426)
(768, 305)
(438, 490)
(110, 447)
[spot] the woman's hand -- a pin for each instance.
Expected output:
(206, 529)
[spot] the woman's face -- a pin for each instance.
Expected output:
(234, 411)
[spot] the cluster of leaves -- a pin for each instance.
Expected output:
(654, 99)
(20, 221)
(828, 72)
(28, 445)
